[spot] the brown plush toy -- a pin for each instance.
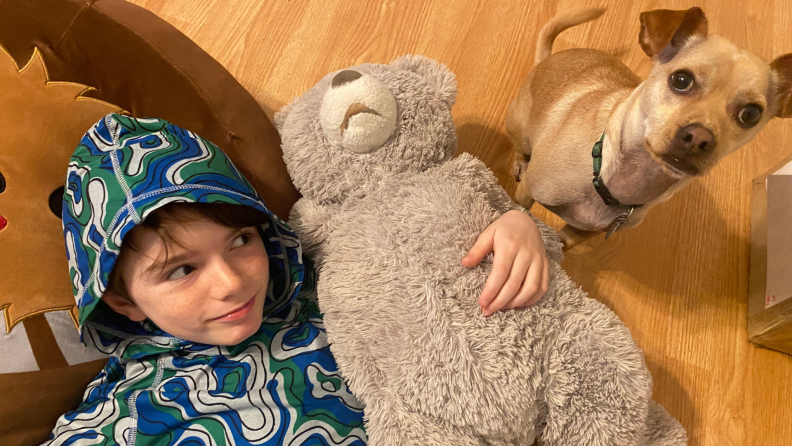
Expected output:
(63, 65)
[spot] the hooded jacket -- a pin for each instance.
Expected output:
(280, 386)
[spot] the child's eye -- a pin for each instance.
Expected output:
(241, 240)
(180, 272)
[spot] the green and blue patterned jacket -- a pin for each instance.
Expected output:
(279, 387)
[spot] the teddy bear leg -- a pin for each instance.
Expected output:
(597, 386)
(389, 423)
(662, 429)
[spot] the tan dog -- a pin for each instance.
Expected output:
(703, 99)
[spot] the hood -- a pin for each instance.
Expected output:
(126, 168)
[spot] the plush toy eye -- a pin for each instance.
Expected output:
(2, 183)
(681, 80)
(749, 115)
(56, 202)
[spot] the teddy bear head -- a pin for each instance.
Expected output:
(368, 122)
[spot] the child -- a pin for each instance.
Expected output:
(179, 303)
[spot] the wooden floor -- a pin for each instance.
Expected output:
(679, 281)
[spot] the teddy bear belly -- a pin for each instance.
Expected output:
(394, 293)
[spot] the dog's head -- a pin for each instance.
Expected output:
(704, 97)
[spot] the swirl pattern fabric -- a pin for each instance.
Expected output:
(281, 386)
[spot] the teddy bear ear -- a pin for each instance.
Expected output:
(280, 116)
(437, 74)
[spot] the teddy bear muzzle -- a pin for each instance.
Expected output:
(358, 112)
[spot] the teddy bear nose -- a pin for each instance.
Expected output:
(3, 223)
(345, 77)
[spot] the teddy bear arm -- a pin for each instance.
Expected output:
(312, 222)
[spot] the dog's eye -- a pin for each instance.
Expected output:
(681, 80)
(749, 115)
(2, 183)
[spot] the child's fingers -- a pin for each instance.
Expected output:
(529, 287)
(545, 279)
(536, 276)
(480, 249)
(511, 286)
(502, 265)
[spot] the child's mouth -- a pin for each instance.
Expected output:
(239, 313)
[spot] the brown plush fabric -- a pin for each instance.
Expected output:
(41, 122)
(138, 63)
(43, 343)
(33, 401)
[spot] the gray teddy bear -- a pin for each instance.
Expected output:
(387, 214)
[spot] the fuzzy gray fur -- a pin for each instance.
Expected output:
(388, 230)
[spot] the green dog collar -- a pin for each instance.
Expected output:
(599, 185)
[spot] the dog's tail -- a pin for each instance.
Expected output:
(544, 46)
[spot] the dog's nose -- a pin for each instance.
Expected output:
(696, 139)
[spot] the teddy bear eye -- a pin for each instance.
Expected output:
(2, 183)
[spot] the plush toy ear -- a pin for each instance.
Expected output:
(664, 31)
(443, 79)
(279, 118)
(783, 68)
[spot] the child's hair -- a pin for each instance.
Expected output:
(225, 214)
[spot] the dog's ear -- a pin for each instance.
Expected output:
(783, 68)
(664, 31)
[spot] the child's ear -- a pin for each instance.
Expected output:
(123, 306)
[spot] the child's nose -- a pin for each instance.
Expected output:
(227, 280)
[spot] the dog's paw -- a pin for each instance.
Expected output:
(520, 164)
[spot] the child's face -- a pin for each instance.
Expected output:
(212, 289)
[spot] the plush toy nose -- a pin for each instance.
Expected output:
(358, 112)
(3, 223)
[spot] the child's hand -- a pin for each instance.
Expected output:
(519, 274)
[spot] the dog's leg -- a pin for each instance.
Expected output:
(523, 195)
(572, 236)
(520, 164)
(516, 120)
